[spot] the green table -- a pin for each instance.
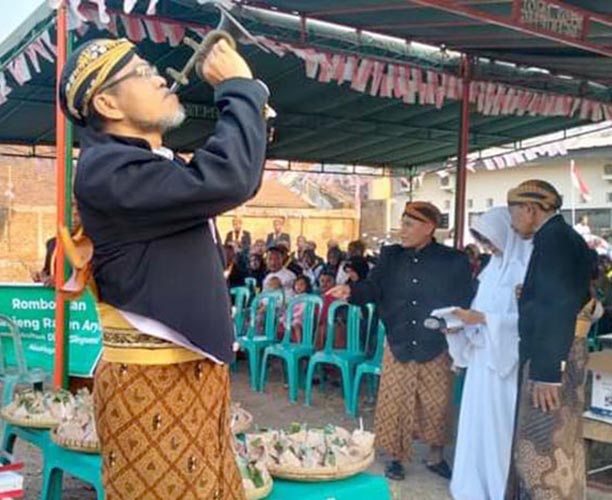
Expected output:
(360, 487)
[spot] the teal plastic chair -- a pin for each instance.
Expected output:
(241, 297)
(345, 359)
(371, 367)
(293, 352)
(251, 284)
(57, 460)
(254, 342)
(17, 372)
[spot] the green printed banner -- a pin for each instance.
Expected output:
(32, 308)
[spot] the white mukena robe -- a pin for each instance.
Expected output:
(490, 354)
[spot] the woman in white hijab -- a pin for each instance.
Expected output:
(488, 347)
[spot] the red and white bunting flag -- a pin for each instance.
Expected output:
(549, 105)
(174, 33)
(417, 78)
(377, 75)
(35, 49)
(103, 16)
(471, 166)
(568, 103)
(152, 8)
(524, 102)
(576, 103)
(607, 109)
(533, 104)
(402, 77)
(82, 30)
(431, 88)
(134, 29)
(578, 182)
(155, 30)
(489, 164)
(499, 162)
(325, 73)
(386, 85)
(5, 90)
(562, 147)
(338, 66)
(362, 75)
(18, 67)
(451, 87)
(474, 92)
(597, 112)
(128, 6)
(46, 38)
(311, 60)
(510, 160)
(508, 101)
(498, 100)
(531, 154)
(350, 69)
(520, 157)
(585, 109)
(558, 107)
(481, 91)
(410, 95)
(459, 91)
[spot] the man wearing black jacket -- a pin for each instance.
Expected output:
(554, 319)
(409, 281)
(162, 385)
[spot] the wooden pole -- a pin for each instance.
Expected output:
(463, 150)
(59, 368)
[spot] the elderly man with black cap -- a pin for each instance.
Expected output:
(555, 310)
(410, 281)
(162, 386)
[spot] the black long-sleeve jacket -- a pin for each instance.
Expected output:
(154, 250)
(406, 285)
(555, 290)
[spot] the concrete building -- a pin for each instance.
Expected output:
(488, 188)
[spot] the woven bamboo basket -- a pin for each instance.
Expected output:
(258, 493)
(243, 422)
(75, 445)
(320, 474)
(32, 422)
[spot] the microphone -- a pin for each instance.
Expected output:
(433, 323)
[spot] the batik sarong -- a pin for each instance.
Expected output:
(163, 422)
(413, 403)
(164, 431)
(549, 457)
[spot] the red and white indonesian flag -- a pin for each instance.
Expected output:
(578, 182)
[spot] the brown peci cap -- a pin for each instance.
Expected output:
(423, 211)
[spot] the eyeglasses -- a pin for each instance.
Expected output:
(145, 71)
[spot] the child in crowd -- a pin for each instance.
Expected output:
(274, 284)
(301, 286)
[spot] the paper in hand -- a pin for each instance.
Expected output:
(446, 318)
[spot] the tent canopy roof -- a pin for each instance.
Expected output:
(329, 123)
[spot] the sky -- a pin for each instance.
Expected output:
(15, 15)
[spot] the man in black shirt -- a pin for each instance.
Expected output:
(554, 318)
(410, 281)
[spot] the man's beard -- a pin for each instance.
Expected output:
(166, 123)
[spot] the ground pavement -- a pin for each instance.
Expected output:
(272, 409)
